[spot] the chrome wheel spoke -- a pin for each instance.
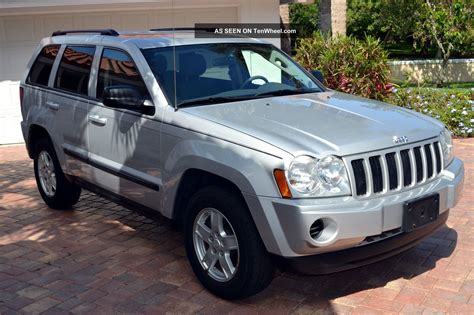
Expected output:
(229, 242)
(217, 224)
(48, 162)
(227, 265)
(203, 231)
(53, 182)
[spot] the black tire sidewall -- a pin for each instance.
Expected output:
(250, 244)
(66, 193)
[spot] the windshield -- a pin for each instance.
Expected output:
(225, 72)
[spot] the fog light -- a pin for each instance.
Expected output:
(316, 229)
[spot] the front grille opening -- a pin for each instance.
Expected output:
(419, 164)
(429, 161)
(376, 169)
(380, 237)
(406, 168)
(437, 157)
(392, 170)
(359, 176)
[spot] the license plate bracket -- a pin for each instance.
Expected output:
(420, 211)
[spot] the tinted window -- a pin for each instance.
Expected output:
(117, 68)
(41, 69)
(74, 69)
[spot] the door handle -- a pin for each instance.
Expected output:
(52, 105)
(98, 120)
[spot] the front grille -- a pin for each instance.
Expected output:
(395, 169)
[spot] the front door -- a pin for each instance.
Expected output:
(124, 145)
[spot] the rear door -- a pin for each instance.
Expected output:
(124, 145)
(70, 101)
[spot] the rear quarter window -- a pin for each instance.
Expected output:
(41, 69)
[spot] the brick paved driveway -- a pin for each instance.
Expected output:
(102, 258)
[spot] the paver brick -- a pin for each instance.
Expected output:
(101, 258)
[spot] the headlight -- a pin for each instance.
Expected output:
(318, 177)
(446, 141)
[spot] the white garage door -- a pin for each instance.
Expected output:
(19, 35)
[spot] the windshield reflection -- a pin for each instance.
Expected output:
(226, 72)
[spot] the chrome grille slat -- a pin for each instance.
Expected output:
(438, 156)
(385, 175)
(423, 162)
(368, 177)
(435, 160)
(398, 161)
(429, 161)
(392, 170)
(412, 166)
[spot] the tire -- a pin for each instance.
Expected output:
(62, 195)
(248, 269)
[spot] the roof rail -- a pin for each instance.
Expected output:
(168, 29)
(109, 32)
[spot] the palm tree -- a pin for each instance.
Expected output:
(332, 16)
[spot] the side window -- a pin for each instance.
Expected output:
(41, 69)
(118, 68)
(74, 69)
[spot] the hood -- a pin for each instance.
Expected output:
(321, 123)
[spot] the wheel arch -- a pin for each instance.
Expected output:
(194, 178)
(191, 181)
(35, 133)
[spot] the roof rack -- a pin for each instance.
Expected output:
(169, 29)
(109, 32)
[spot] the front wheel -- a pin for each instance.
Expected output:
(223, 245)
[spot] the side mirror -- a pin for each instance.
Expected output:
(318, 75)
(126, 97)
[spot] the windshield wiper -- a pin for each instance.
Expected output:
(286, 92)
(213, 100)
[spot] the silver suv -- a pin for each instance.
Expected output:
(234, 140)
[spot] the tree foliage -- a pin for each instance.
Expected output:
(447, 25)
(416, 21)
(304, 18)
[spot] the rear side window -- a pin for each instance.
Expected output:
(41, 69)
(74, 69)
(118, 68)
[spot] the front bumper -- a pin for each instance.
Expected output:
(363, 255)
(354, 222)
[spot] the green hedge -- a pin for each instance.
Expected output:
(454, 107)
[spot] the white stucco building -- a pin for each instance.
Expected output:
(24, 22)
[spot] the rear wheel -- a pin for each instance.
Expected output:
(223, 245)
(56, 191)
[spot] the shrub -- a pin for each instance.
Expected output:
(348, 64)
(453, 107)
